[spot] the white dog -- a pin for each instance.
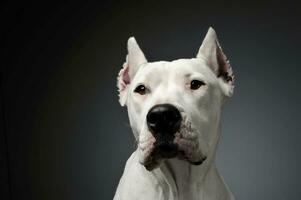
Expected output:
(174, 110)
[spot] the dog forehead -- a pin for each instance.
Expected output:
(189, 65)
(175, 68)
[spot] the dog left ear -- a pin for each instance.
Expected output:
(212, 53)
(134, 60)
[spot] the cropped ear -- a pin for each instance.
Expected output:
(212, 53)
(134, 60)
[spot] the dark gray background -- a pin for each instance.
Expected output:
(63, 133)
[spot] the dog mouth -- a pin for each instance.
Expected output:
(183, 145)
(161, 150)
(167, 150)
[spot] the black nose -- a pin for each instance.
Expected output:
(163, 119)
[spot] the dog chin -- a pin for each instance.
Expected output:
(152, 157)
(155, 157)
(151, 162)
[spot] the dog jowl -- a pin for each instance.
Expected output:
(173, 106)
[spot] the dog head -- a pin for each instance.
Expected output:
(174, 107)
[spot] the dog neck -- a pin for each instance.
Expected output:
(194, 181)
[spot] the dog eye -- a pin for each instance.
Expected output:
(196, 84)
(141, 89)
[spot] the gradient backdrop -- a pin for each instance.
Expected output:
(64, 135)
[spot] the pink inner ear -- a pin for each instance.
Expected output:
(126, 77)
(225, 69)
(123, 77)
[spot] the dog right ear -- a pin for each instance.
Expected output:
(134, 60)
(212, 53)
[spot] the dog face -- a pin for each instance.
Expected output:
(174, 107)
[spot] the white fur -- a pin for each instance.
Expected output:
(169, 82)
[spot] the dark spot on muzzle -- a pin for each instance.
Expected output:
(199, 162)
(165, 149)
(162, 150)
